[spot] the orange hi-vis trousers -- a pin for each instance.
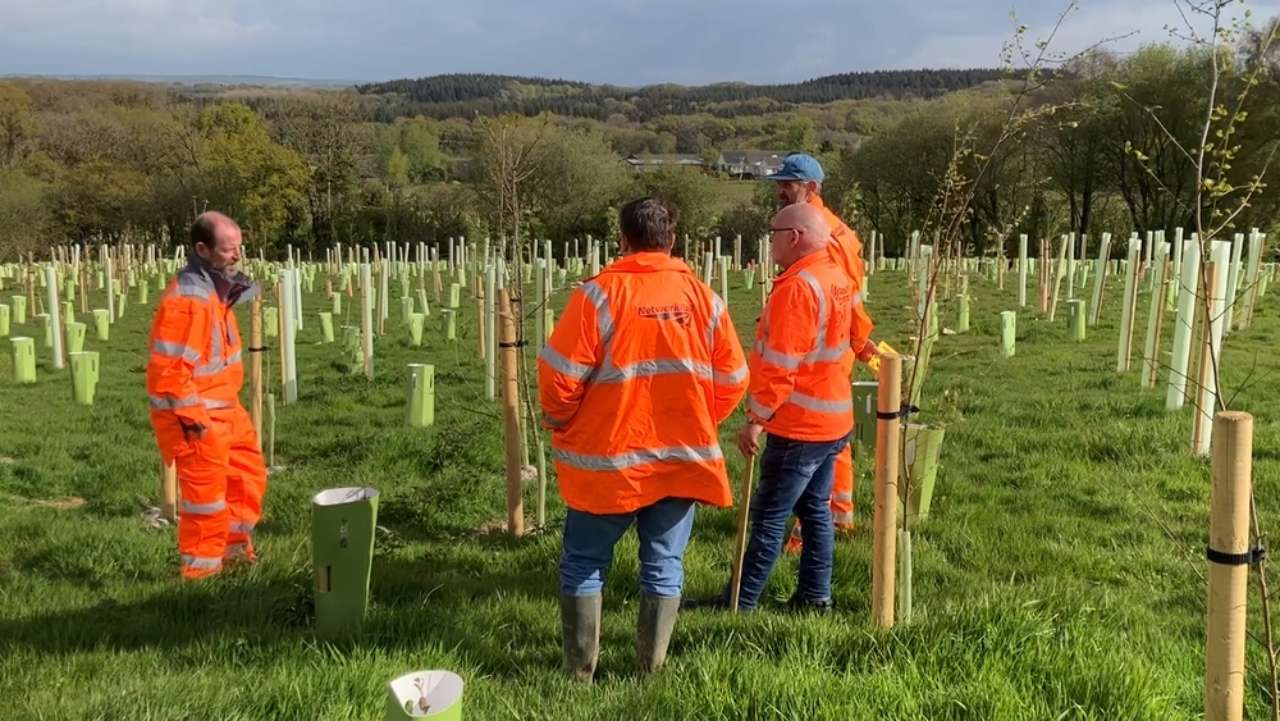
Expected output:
(841, 498)
(221, 481)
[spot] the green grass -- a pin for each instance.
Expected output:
(1056, 578)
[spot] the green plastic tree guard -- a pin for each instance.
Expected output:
(923, 448)
(75, 336)
(69, 289)
(271, 322)
(342, 523)
(422, 302)
(68, 311)
(326, 327)
(1008, 332)
(44, 321)
(406, 308)
(962, 323)
(422, 395)
(337, 303)
(143, 290)
(450, 318)
(84, 375)
(1076, 319)
(416, 323)
(122, 300)
(455, 296)
(102, 323)
(24, 360)
(435, 695)
(864, 413)
(4, 321)
(352, 347)
(19, 305)
(749, 277)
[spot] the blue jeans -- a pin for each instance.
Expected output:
(589, 539)
(795, 476)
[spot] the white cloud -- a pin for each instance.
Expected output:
(1120, 25)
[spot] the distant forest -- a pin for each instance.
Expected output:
(468, 95)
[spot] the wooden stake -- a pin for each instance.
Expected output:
(511, 414)
(169, 493)
(1225, 634)
(255, 371)
(480, 320)
(740, 541)
(885, 515)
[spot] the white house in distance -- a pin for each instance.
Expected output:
(741, 164)
(750, 164)
(644, 161)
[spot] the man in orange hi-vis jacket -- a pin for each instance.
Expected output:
(194, 376)
(800, 394)
(641, 368)
(799, 181)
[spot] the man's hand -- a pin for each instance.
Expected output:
(749, 438)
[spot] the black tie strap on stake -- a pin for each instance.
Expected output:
(904, 413)
(513, 344)
(259, 349)
(1251, 557)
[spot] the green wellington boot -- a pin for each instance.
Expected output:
(580, 624)
(653, 631)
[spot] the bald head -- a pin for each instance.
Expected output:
(216, 238)
(798, 230)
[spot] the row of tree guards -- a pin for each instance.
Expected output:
(1207, 302)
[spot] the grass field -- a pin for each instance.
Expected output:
(1057, 578)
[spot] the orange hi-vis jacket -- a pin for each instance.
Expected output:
(196, 350)
(641, 368)
(847, 250)
(801, 361)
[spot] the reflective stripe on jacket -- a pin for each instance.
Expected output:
(196, 352)
(640, 369)
(801, 360)
(847, 251)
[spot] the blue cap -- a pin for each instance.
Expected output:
(799, 166)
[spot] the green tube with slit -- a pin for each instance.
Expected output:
(342, 534)
(84, 376)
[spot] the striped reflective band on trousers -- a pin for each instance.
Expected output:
(235, 550)
(620, 461)
(241, 527)
(203, 563)
(204, 509)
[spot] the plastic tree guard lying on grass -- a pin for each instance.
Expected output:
(425, 694)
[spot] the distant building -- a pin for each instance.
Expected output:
(750, 164)
(643, 162)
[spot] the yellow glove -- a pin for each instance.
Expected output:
(874, 363)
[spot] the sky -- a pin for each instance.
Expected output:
(624, 42)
